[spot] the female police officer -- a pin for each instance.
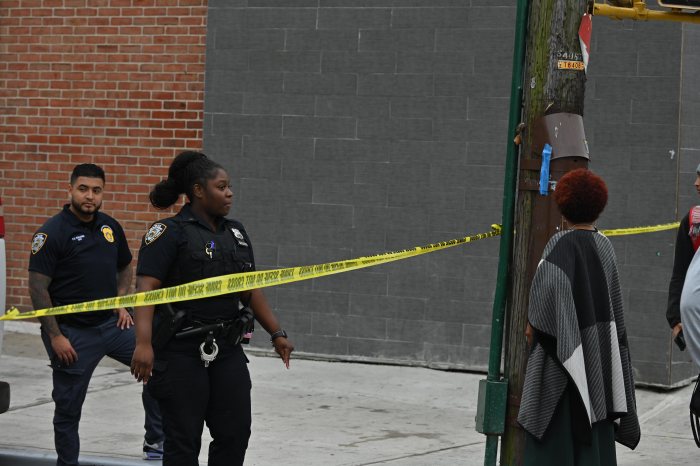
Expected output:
(190, 353)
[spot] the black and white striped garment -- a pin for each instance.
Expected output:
(576, 304)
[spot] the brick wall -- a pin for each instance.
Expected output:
(115, 82)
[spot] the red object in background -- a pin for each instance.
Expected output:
(2, 221)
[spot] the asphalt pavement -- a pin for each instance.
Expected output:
(315, 413)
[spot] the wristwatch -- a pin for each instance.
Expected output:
(277, 334)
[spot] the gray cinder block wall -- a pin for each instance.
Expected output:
(357, 127)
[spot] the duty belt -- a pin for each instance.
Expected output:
(233, 331)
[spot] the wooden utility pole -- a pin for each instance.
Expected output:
(553, 86)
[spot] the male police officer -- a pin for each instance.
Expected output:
(79, 255)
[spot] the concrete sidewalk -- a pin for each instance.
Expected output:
(316, 413)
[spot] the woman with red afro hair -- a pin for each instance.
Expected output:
(578, 395)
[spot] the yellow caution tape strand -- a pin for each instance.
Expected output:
(233, 283)
(639, 230)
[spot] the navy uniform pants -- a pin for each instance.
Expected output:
(190, 395)
(70, 383)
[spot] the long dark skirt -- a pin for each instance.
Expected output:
(561, 447)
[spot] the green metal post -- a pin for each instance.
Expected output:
(509, 189)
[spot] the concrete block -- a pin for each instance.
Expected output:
(316, 301)
(395, 128)
(430, 17)
(309, 62)
(391, 174)
(319, 215)
(223, 102)
(396, 85)
(356, 281)
(331, 192)
(278, 104)
(260, 191)
(322, 345)
(387, 306)
(320, 84)
(491, 17)
(363, 327)
(397, 39)
(486, 153)
(292, 18)
(429, 152)
(248, 39)
(355, 150)
(359, 62)
(282, 3)
(429, 107)
(320, 127)
(382, 218)
(258, 167)
(353, 18)
(438, 197)
(326, 39)
(490, 108)
(395, 350)
(227, 59)
(354, 106)
(242, 81)
(325, 324)
(303, 170)
(247, 125)
(435, 62)
(483, 41)
(424, 330)
(283, 148)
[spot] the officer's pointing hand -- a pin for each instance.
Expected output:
(142, 362)
(284, 348)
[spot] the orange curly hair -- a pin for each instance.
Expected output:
(581, 196)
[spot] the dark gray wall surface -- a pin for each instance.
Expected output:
(352, 128)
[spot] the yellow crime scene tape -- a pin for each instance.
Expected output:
(233, 283)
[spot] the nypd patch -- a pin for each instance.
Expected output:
(38, 242)
(154, 233)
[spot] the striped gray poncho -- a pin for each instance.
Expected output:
(576, 309)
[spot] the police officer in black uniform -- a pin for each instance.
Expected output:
(81, 254)
(189, 352)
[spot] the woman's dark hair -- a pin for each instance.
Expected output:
(581, 196)
(186, 170)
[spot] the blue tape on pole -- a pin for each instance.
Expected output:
(544, 171)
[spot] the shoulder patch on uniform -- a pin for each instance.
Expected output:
(38, 242)
(108, 233)
(154, 232)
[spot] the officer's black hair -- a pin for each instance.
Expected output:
(89, 170)
(188, 168)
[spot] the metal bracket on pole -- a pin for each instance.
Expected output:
(491, 408)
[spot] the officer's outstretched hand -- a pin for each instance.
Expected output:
(284, 348)
(142, 362)
(124, 319)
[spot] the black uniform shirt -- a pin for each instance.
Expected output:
(174, 251)
(82, 260)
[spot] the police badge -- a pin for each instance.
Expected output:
(154, 232)
(108, 233)
(239, 237)
(38, 242)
